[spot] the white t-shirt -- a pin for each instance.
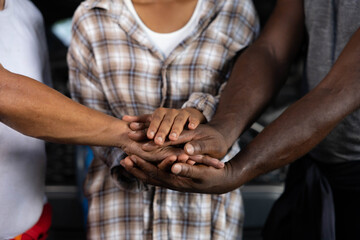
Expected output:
(23, 50)
(166, 42)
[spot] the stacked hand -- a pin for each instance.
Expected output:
(162, 135)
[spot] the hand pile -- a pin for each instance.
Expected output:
(171, 148)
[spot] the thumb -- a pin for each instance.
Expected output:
(185, 170)
(198, 147)
(205, 147)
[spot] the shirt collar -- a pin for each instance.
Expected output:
(104, 4)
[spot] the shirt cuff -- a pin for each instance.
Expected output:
(124, 180)
(204, 102)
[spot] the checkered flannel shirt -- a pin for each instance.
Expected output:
(114, 68)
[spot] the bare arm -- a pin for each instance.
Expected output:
(258, 73)
(38, 111)
(303, 125)
(257, 76)
(300, 128)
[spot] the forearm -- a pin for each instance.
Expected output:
(243, 100)
(260, 71)
(307, 122)
(36, 110)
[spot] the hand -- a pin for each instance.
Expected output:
(204, 140)
(131, 147)
(183, 177)
(166, 122)
(158, 153)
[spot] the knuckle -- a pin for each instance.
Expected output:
(160, 110)
(156, 118)
(163, 110)
(174, 112)
(180, 118)
(166, 122)
(185, 112)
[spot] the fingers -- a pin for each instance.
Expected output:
(167, 163)
(151, 174)
(137, 135)
(157, 118)
(128, 164)
(137, 126)
(183, 157)
(191, 162)
(171, 123)
(178, 125)
(193, 122)
(186, 170)
(144, 170)
(190, 148)
(142, 118)
(207, 160)
(204, 147)
(165, 126)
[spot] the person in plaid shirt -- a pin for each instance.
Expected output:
(140, 57)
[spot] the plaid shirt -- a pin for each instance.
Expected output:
(114, 68)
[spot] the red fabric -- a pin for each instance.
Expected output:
(40, 230)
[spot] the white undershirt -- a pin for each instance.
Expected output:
(167, 42)
(22, 159)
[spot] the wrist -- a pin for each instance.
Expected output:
(228, 128)
(120, 130)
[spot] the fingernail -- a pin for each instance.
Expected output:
(151, 134)
(133, 159)
(190, 149)
(176, 169)
(174, 135)
(192, 125)
(133, 132)
(122, 163)
(221, 164)
(159, 139)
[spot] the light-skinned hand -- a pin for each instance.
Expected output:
(164, 123)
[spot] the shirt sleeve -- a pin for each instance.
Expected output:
(204, 102)
(86, 88)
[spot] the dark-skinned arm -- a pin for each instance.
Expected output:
(300, 128)
(257, 76)
(307, 122)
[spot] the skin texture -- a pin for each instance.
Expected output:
(2, 4)
(301, 127)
